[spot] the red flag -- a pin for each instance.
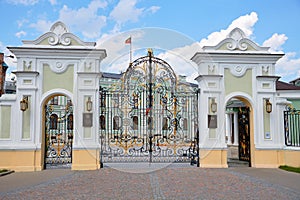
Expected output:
(128, 40)
(147, 111)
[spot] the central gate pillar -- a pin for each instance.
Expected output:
(86, 145)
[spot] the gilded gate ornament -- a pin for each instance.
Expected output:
(152, 108)
(59, 132)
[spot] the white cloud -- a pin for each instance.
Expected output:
(53, 2)
(288, 67)
(85, 19)
(179, 58)
(117, 51)
(42, 25)
(20, 34)
(125, 11)
(153, 9)
(275, 42)
(181, 63)
(10, 76)
(245, 22)
(23, 2)
(88, 21)
(11, 62)
(21, 22)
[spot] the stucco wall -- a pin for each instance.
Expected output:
(52, 80)
(241, 84)
(5, 120)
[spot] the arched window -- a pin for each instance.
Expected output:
(54, 100)
(53, 121)
(102, 100)
(135, 121)
(70, 122)
(185, 124)
(165, 124)
(116, 123)
(135, 101)
(102, 122)
(150, 123)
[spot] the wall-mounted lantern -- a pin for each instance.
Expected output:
(268, 106)
(24, 103)
(213, 105)
(89, 104)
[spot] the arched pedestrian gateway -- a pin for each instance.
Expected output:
(68, 112)
(239, 132)
(59, 129)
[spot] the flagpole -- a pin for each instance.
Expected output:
(129, 41)
(130, 50)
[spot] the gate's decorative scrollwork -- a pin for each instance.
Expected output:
(150, 116)
(59, 132)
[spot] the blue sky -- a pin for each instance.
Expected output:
(268, 22)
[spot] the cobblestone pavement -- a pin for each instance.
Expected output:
(165, 183)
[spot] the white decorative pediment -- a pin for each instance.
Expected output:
(236, 41)
(59, 35)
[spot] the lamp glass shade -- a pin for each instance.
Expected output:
(213, 107)
(23, 105)
(89, 105)
(268, 106)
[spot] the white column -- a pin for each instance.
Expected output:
(236, 128)
(228, 128)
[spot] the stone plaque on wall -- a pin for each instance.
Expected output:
(87, 120)
(212, 121)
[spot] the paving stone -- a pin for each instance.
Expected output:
(164, 183)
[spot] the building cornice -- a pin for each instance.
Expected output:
(225, 57)
(210, 76)
(18, 73)
(50, 52)
(268, 77)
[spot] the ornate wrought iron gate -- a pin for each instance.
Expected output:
(149, 117)
(244, 134)
(59, 132)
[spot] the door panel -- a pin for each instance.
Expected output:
(244, 134)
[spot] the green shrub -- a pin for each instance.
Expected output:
(3, 170)
(290, 169)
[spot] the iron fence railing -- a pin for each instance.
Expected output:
(292, 127)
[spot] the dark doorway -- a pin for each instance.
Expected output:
(244, 134)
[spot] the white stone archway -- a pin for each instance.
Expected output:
(235, 68)
(232, 118)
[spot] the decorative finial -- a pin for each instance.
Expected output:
(150, 52)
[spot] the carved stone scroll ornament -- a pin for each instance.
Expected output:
(239, 70)
(237, 41)
(58, 35)
(59, 39)
(240, 44)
